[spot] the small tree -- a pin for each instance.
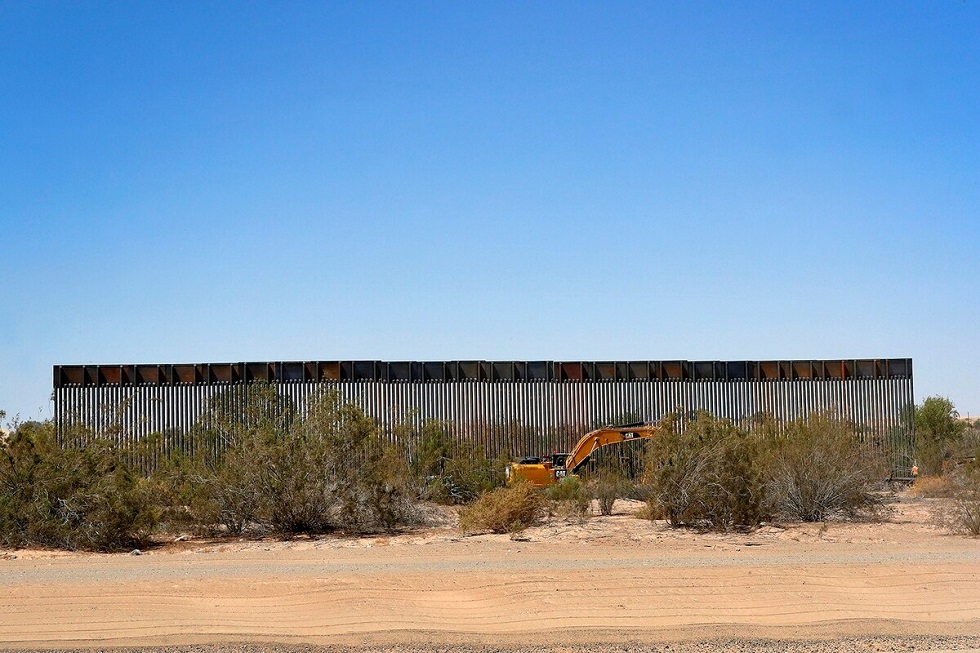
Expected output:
(937, 432)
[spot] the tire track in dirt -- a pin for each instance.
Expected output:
(248, 603)
(607, 583)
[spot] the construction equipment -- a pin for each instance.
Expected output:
(548, 470)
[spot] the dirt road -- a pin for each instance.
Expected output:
(615, 581)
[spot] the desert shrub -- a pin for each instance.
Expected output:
(331, 470)
(706, 475)
(503, 510)
(66, 496)
(433, 450)
(466, 474)
(819, 468)
(964, 511)
(570, 498)
(609, 484)
(937, 434)
(960, 511)
(391, 488)
(324, 471)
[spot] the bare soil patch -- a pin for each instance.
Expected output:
(612, 583)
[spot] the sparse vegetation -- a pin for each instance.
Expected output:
(960, 489)
(570, 499)
(607, 484)
(329, 470)
(253, 464)
(67, 496)
(452, 473)
(257, 469)
(964, 513)
(705, 475)
(819, 468)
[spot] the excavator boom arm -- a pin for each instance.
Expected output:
(603, 437)
(542, 473)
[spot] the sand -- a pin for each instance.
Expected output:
(612, 583)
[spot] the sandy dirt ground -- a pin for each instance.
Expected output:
(613, 583)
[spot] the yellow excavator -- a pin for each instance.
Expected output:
(548, 470)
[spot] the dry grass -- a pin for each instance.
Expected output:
(930, 487)
(504, 510)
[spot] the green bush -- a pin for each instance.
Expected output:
(819, 468)
(570, 498)
(327, 471)
(273, 472)
(67, 496)
(434, 448)
(453, 473)
(937, 434)
(503, 510)
(706, 475)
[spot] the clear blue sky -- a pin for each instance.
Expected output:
(201, 181)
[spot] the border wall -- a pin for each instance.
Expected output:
(522, 407)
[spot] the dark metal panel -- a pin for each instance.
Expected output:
(540, 371)
(866, 369)
(622, 371)
(400, 371)
(704, 371)
(638, 370)
(310, 372)
(802, 370)
(899, 368)
(435, 371)
(109, 375)
(833, 369)
(72, 375)
(785, 370)
(292, 372)
(769, 370)
(148, 375)
(520, 370)
(367, 371)
(736, 370)
(472, 371)
(502, 371)
(346, 370)
(589, 372)
(222, 373)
